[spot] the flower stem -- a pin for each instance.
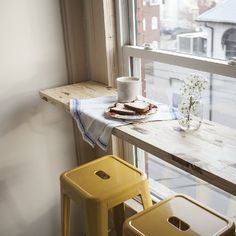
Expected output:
(191, 103)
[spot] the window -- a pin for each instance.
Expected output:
(184, 44)
(229, 42)
(199, 46)
(192, 43)
(182, 51)
(154, 2)
(154, 23)
(144, 24)
(151, 2)
(207, 20)
(192, 36)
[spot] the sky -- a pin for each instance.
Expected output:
(176, 13)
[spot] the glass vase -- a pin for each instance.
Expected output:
(190, 113)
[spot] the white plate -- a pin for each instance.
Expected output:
(110, 114)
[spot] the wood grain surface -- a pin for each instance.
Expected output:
(61, 96)
(209, 153)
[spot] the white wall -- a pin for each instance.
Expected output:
(36, 141)
(220, 29)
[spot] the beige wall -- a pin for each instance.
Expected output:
(36, 141)
(89, 27)
(90, 51)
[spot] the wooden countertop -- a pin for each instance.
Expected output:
(209, 153)
(61, 96)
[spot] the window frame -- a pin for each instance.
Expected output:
(128, 53)
(125, 18)
(209, 65)
(125, 11)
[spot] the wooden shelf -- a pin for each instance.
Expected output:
(209, 153)
(61, 96)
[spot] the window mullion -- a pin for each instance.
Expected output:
(123, 34)
(132, 22)
(203, 64)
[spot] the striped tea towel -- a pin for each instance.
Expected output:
(96, 128)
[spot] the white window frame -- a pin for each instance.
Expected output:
(192, 62)
(126, 51)
(126, 38)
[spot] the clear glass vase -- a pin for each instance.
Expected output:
(190, 113)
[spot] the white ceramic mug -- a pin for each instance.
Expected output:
(128, 88)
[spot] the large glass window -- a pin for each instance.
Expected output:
(192, 36)
(161, 82)
(193, 27)
(166, 180)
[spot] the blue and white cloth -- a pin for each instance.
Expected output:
(96, 128)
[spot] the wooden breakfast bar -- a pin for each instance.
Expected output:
(208, 153)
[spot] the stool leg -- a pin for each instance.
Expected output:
(119, 218)
(65, 214)
(96, 218)
(146, 196)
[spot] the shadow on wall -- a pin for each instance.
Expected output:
(11, 212)
(19, 105)
(16, 223)
(31, 111)
(43, 226)
(17, 111)
(29, 191)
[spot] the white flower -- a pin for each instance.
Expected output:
(193, 85)
(191, 90)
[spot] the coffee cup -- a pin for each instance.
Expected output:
(128, 88)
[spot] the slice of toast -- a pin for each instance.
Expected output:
(140, 107)
(122, 111)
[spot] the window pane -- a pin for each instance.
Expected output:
(161, 82)
(205, 28)
(154, 23)
(198, 27)
(166, 180)
(144, 24)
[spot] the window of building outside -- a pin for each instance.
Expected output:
(144, 24)
(229, 42)
(202, 28)
(184, 44)
(154, 2)
(151, 2)
(154, 23)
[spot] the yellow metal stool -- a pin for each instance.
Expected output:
(178, 216)
(99, 186)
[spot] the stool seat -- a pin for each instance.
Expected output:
(104, 179)
(178, 216)
(98, 186)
